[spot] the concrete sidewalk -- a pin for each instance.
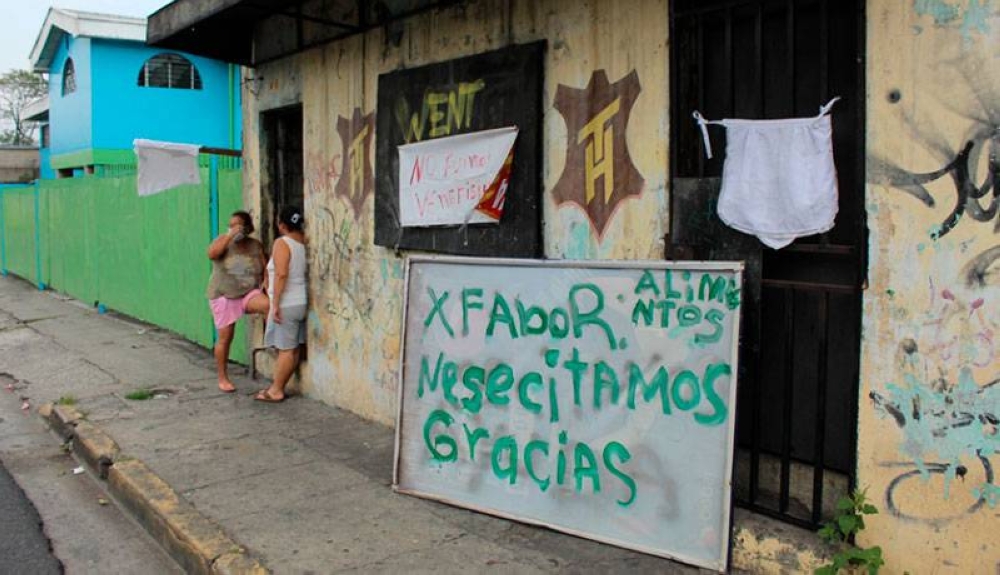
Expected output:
(227, 484)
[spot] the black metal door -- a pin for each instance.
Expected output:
(799, 354)
(282, 174)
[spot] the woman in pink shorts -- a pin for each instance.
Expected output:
(237, 269)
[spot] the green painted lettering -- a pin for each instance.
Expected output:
(528, 314)
(440, 441)
(472, 436)
(529, 462)
(592, 317)
(449, 378)
(605, 378)
(647, 283)
(468, 303)
(720, 411)
(688, 315)
(500, 381)
(668, 283)
(559, 324)
(714, 317)
(561, 460)
(712, 289)
(553, 401)
(438, 310)
(585, 467)
(619, 451)
(501, 313)
(504, 471)
(530, 379)
(425, 375)
(645, 311)
(473, 379)
(659, 384)
(666, 306)
(577, 368)
(685, 401)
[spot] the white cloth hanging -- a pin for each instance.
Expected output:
(164, 165)
(779, 182)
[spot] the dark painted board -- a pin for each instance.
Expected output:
(510, 95)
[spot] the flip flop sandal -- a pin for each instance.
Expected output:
(266, 397)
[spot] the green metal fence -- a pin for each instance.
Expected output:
(95, 239)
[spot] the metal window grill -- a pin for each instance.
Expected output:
(69, 77)
(169, 71)
(797, 406)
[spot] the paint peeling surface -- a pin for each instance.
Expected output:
(928, 441)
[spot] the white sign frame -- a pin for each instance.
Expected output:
(722, 560)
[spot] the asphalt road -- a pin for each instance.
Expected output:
(23, 546)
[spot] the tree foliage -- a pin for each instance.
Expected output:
(18, 88)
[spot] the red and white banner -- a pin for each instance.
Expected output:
(456, 180)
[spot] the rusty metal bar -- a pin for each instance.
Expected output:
(810, 286)
(820, 433)
(788, 397)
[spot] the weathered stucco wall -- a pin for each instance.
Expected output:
(356, 287)
(928, 406)
(927, 409)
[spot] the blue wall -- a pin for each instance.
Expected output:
(45, 170)
(71, 116)
(124, 111)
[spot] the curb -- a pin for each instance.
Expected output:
(196, 542)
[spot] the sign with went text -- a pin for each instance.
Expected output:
(595, 398)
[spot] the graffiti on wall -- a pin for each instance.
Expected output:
(599, 172)
(945, 396)
(970, 16)
(946, 410)
(968, 181)
(358, 181)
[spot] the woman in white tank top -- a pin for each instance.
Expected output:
(287, 301)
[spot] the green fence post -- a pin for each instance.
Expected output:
(3, 237)
(213, 210)
(213, 197)
(38, 239)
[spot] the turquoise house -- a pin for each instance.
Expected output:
(107, 88)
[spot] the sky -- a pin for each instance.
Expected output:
(21, 20)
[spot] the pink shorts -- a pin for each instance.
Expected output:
(227, 311)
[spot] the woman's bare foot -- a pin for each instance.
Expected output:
(226, 386)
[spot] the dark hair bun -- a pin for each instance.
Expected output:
(292, 217)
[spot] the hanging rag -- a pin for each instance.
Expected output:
(164, 165)
(778, 181)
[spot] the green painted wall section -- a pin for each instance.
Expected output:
(19, 230)
(140, 256)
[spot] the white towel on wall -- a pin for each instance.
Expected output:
(778, 181)
(165, 165)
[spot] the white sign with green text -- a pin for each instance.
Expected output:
(595, 398)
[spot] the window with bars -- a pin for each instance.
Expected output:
(800, 340)
(68, 77)
(169, 71)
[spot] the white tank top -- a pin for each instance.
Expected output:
(295, 285)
